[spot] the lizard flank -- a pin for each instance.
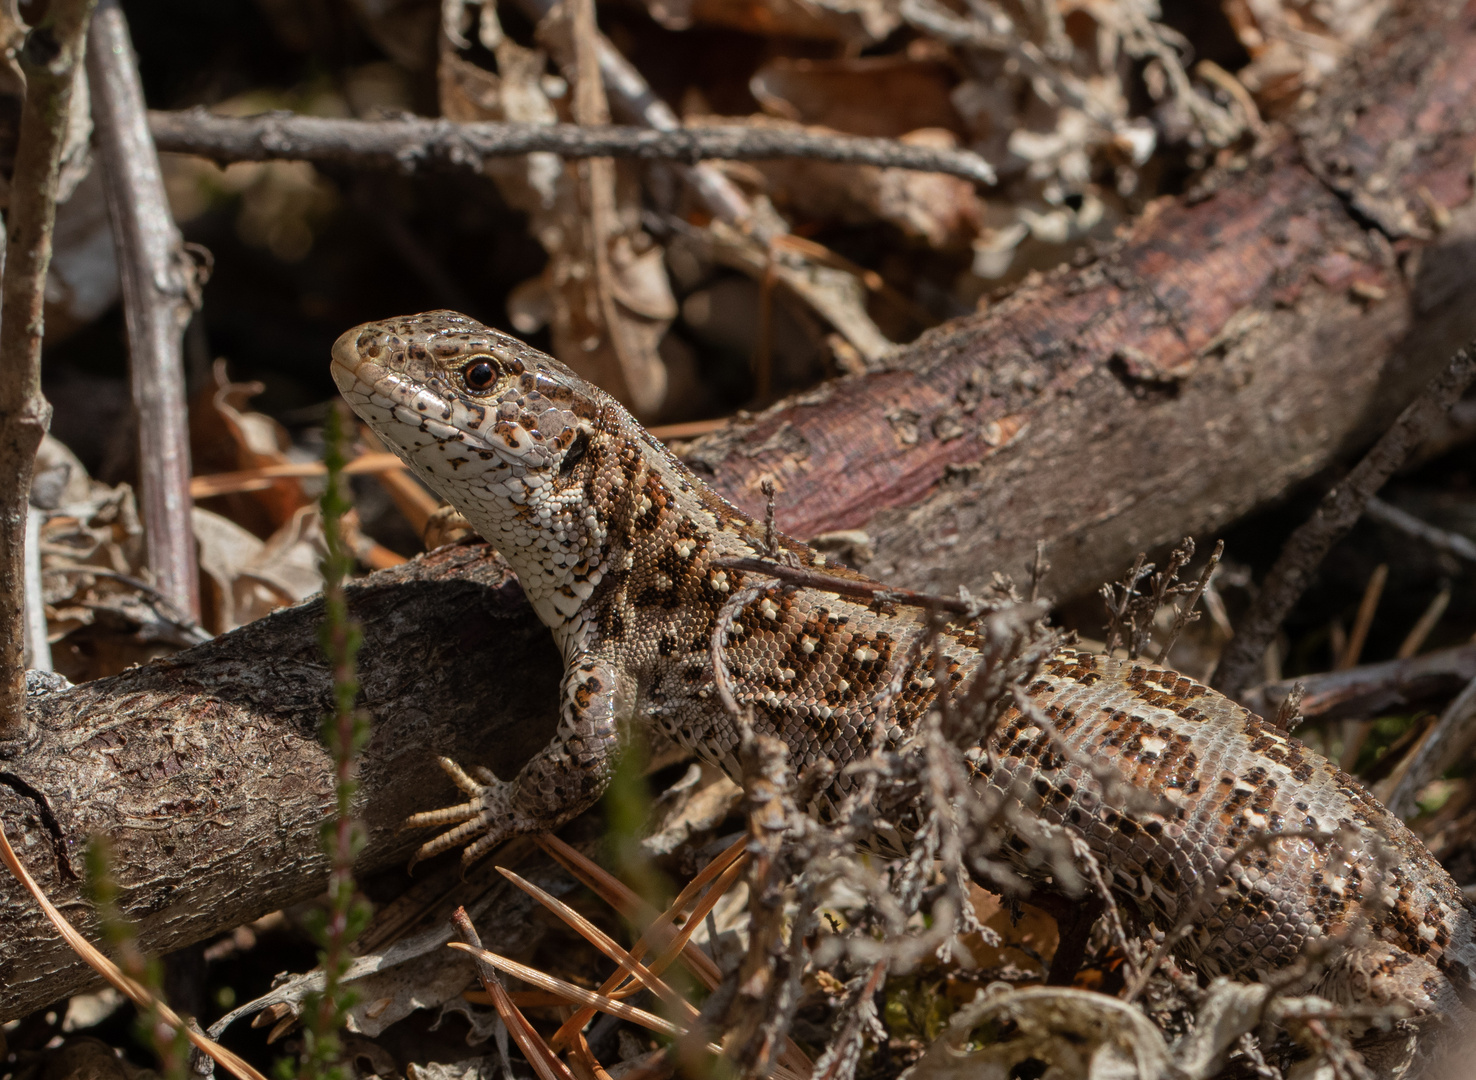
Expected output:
(618, 546)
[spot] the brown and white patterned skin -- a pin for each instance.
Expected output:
(614, 542)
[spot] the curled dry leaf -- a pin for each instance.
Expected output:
(946, 212)
(226, 436)
(880, 96)
(836, 295)
(1295, 44)
(102, 615)
(855, 22)
(608, 330)
(1083, 1035)
(243, 578)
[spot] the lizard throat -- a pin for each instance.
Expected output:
(557, 547)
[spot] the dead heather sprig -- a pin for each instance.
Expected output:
(1131, 608)
(345, 730)
(171, 1043)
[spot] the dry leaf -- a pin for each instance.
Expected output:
(243, 579)
(944, 211)
(882, 96)
(855, 22)
(610, 333)
(1295, 45)
(226, 436)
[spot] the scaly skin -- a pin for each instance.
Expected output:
(614, 541)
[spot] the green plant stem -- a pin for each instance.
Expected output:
(345, 730)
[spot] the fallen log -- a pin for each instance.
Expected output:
(1233, 343)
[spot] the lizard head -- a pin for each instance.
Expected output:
(441, 386)
(505, 433)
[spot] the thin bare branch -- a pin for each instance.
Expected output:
(1439, 748)
(1341, 507)
(1439, 539)
(51, 59)
(413, 145)
(1371, 688)
(160, 292)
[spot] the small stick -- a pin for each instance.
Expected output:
(414, 145)
(1367, 689)
(38, 647)
(1367, 607)
(1355, 732)
(1415, 639)
(160, 292)
(1439, 539)
(771, 538)
(51, 59)
(1452, 735)
(1340, 508)
(1040, 567)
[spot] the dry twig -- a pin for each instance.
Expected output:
(411, 145)
(1339, 510)
(1439, 539)
(51, 60)
(160, 293)
(1440, 748)
(1130, 613)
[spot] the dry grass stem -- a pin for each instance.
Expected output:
(577, 995)
(1414, 641)
(640, 976)
(129, 988)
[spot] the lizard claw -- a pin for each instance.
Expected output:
(483, 819)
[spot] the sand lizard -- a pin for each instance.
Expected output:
(616, 545)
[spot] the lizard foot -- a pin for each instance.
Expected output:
(485, 816)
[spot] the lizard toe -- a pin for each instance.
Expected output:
(452, 838)
(483, 819)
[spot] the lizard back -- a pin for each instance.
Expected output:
(618, 545)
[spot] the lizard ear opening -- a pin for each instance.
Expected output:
(575, 454)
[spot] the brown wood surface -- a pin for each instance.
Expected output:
(206, 774)
(1231, 344)
(1240, 304)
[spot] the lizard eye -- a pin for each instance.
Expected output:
(479, 375)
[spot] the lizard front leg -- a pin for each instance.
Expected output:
(562, 780)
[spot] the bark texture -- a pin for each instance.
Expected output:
(1234, 343)
(1231, 344)
(207, 774)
